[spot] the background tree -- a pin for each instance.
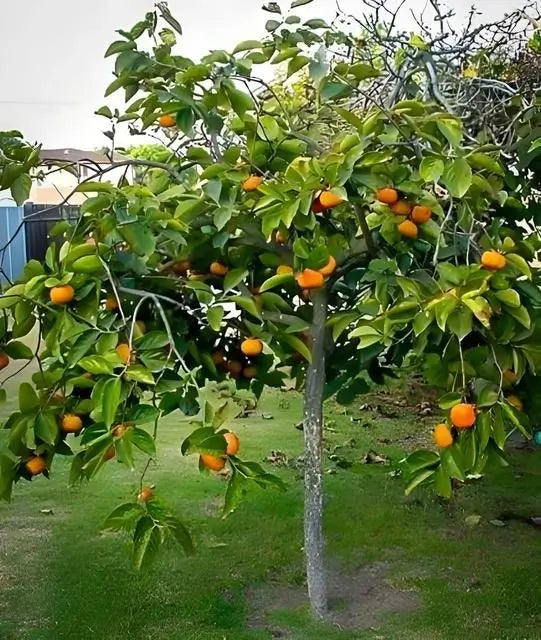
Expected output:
(326, 236)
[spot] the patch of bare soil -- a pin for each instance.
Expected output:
(357, 600)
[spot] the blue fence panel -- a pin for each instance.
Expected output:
(13, 257)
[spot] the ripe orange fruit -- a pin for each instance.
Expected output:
(442, 436)
(181, 267)
(401, 208)
(109, 454)
(328, 199)
(214, 463)
(234, 367)
(310, 279)
(218, 269)
(4, 361)
(408, 229)
(516, 402)
(387, 195)
(421, 214)
(284, 270)
(120, 430)
(233, 443)
(317, 207)
(281, 237)
(251, 347)
(124, 352)
(249, 372)
(62, 294)
(35, 465)
(329, 268)
(463, 415)
(71, 423)
(111, 303)
(493, 260)
(145, 494)
(167, 120)
(252, 183)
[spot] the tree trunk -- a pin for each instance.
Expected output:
(313, 464)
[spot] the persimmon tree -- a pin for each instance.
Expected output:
(325, 237)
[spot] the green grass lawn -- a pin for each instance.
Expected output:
(61, 577)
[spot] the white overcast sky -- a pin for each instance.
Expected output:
(52, 70)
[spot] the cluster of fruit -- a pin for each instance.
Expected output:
(414, 215)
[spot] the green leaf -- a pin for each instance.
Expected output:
(234, 277)
(248, 304)
(521, 315)
(296, 64)
(143, 441)
(110, 400)
(138, 373)
(460, 322)
(451, 129)
(442, 483)
(139, 237)
(268, 128)
(480, 309)
(340, 322)
(297, 344)
(300, 3)
(418, 479)
(204, 440)
(334, 90)
(449, 400)
(246, 45)
(124, 516)
(118, 46)
(46, 428)
(276, 281)
(362, 71)
(457, 177)
(451, 465)
(214, 317)
(509, 297)
(272, 25)
(236, 489)
(239, 100)
(421, 460)
(185, 120)
(367, 335)
(519, 263)
(142, 414)
(180, 534)
(95, 187)
(82, 346)
(351, 118)
(96, 364)
(431, 169)
(153, 340)
(484, 161)
(20, 188)
(28, 399)
(12, 296)
(18, 350)
(146, 542)
(443, 310)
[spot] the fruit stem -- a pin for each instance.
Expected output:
(314, 542)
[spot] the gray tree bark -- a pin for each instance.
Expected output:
(314, 542)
